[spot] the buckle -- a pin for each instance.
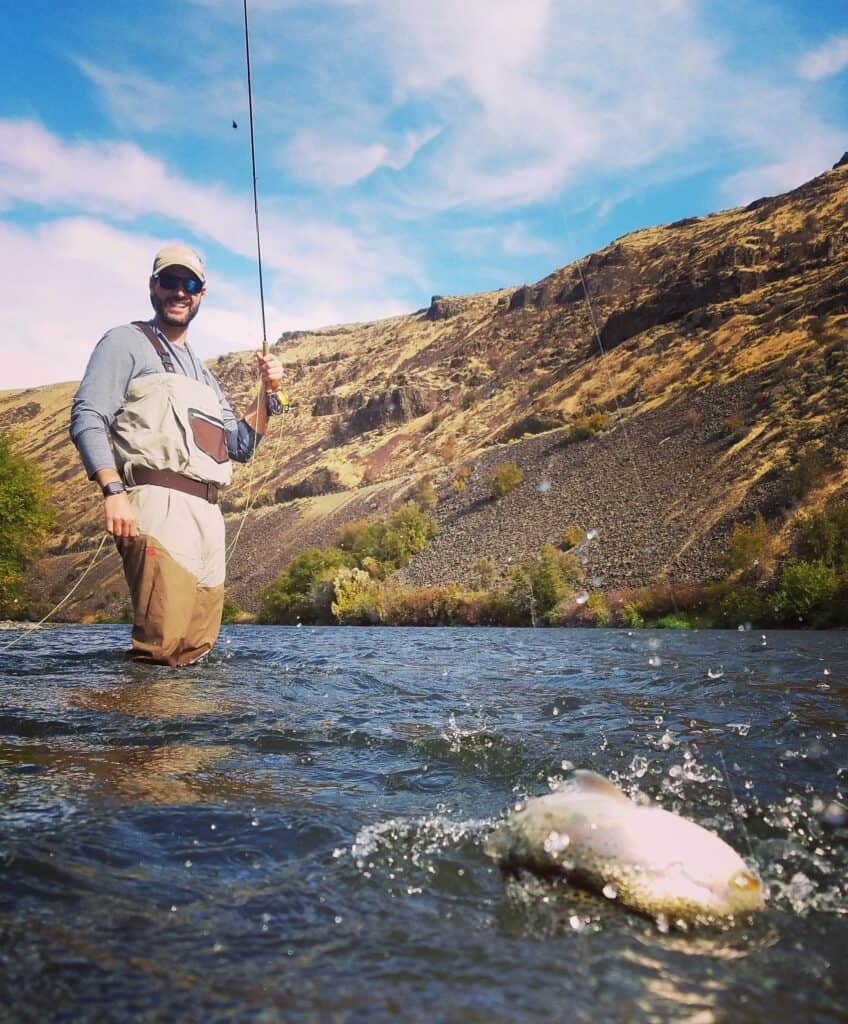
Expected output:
(212, 493)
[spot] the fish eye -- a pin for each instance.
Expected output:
(746, 881)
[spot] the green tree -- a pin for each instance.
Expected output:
(26, 518)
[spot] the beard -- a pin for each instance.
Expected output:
(185, 318)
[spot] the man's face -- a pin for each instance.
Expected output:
(174, 306)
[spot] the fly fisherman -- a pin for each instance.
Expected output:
(155, 431)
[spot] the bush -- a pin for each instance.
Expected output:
(749, 545)
(536, 587)
(805, 588)
(824, 537)
(571, 536)
(630, 617)
(460, 480)
(484, 573)
(289, 598)
(505, 479)
(26, 519)
(585, 427)
(423, 494)
(356, 598)
(808, 472)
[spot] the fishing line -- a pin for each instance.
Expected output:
(40, 623)
(624, 428)
(273, 403)
(735, 805)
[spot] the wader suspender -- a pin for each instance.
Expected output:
(167, 477)
(156, 342)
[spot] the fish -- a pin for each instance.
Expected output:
(645, 858)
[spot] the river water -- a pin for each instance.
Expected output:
(293, 830)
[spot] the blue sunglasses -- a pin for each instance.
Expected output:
(171, 282)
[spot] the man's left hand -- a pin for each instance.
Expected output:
(272, 371)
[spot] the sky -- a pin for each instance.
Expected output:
(404, 148)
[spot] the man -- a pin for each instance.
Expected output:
(155, 431)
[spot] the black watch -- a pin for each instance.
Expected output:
(115, 487)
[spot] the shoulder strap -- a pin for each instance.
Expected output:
(156, 342)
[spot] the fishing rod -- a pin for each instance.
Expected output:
(273, 402)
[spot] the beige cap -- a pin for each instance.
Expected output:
(179, 255)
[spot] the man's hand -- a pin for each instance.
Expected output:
(120, 518)
(271, 369)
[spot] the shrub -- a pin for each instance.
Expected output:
(26, 519)
(597, 610)
(356, 598)
(571, 536)
(288, 598)
(229, 613)
(805, 587)
(484, 573)
(586, 426)
(423, 494)
(807, 472)
(824, 537)
(460, 480)
(630, 617)
(748, 545)
(505, 479)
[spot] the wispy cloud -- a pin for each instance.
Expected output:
(121, 182)
(328, 161)
(828, 59)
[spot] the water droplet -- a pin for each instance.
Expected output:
(567, 766)
(639, 766)
(655, 661)
(338, 919)
(576, 923)
(173, 908)
(213, 827)
(582, 597)
(187, 864)
(715, 673)
(610, 891)
(556, 842)
(254, 822)
(555, 712)
(826, 672)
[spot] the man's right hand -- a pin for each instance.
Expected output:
(120, 518)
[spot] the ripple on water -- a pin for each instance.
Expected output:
(297, 824)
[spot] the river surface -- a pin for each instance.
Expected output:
(293, 830)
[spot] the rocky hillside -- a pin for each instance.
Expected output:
(715, 350)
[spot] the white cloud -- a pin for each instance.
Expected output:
(828, 59)
(121, 182)
(68, 281)
(324, 160)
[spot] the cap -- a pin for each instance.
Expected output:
(179, 255)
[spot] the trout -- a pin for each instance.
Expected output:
(644, 857)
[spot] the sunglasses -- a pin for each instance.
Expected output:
(171, 282)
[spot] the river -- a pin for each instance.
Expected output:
(293, 829)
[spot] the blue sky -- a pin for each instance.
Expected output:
(404, 148)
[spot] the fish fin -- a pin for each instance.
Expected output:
(591, 782)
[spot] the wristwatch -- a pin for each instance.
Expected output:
(115, 487)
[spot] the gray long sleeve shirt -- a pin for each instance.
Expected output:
(121, 355)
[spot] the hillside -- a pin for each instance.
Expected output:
(720, 362)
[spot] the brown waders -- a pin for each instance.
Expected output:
(170, 447)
